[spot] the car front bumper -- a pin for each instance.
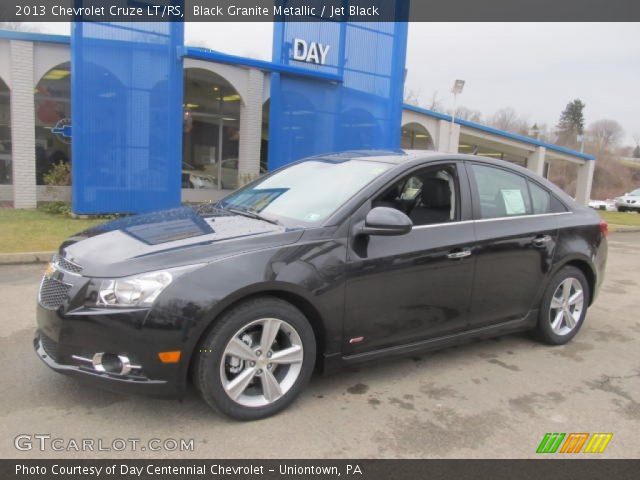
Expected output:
(67, 343)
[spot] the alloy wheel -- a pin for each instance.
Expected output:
(566, 307)
(261, 362)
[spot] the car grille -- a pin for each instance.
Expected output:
(65, 264)
(53, 293)
(49, 346)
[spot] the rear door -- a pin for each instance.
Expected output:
(516, 232)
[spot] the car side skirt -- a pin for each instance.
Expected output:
(337, 361)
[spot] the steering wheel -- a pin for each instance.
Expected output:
(413, 203)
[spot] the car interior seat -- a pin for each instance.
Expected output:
(434, 204)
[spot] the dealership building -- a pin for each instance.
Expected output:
(230, 114)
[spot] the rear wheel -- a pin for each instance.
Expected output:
(257, 359)
(564, 306)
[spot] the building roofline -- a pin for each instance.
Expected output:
(212, 55)
(34, 36)
(500, 133)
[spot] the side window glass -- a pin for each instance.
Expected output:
(540, 199)
(502, 193)
(427, 197)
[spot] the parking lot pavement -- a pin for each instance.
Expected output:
(492, 399)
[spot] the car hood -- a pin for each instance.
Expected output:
(170, 238)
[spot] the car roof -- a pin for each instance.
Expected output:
(399, 157)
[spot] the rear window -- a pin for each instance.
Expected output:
(502, 193)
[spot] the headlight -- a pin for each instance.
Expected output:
(138, 290)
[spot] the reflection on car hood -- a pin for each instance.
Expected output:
(170, 238)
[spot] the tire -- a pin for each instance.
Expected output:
(220, 376)
(557, 325)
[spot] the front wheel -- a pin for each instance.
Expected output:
(257, 359)
(564, 306)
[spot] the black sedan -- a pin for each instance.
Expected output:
(330, 261)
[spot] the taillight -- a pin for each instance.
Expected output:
(604, 228)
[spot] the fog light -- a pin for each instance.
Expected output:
(111, 363)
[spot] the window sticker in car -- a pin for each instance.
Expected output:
(513, 201)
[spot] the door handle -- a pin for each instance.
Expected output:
(541, 240)
(459, 254)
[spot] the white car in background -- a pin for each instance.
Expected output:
(608, 205)
(206, 176)
(629, 202)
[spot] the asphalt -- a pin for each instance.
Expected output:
(491, 399)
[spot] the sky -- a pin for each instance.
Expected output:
(536, 68)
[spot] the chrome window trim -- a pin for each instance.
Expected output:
(483, 220)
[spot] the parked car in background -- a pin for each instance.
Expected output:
(629, 202)
(607, 205)
(198, 177)
(327, 262)
(206, 176)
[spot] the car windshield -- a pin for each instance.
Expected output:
(307, 192)
(635, 193)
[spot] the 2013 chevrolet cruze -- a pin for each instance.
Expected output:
(330, 261)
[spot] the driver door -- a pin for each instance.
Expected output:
(414, 287)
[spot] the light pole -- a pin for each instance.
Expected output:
(458, 85)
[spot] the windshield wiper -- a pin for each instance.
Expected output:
(251, 214)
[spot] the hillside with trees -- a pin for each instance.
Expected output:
(616, 171)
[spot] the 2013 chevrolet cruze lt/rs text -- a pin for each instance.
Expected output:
(330, 261)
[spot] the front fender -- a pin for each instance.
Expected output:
(313, 271)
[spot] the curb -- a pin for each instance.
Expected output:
(623, 229)
(25, 258)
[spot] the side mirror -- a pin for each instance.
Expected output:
(385, 221)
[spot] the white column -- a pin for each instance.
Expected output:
(447, 141)
(584, 181)
(535, 161)
(23, 137)
(251, 129)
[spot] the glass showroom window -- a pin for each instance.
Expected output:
(416, 137)
(53, 124)
(211, 131)
(5, 134)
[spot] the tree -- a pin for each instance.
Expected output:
(412, 97)
(465, 113)
(571, 123)
(636, 151)
(605, 134)
(508, 119)
(436, 103)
